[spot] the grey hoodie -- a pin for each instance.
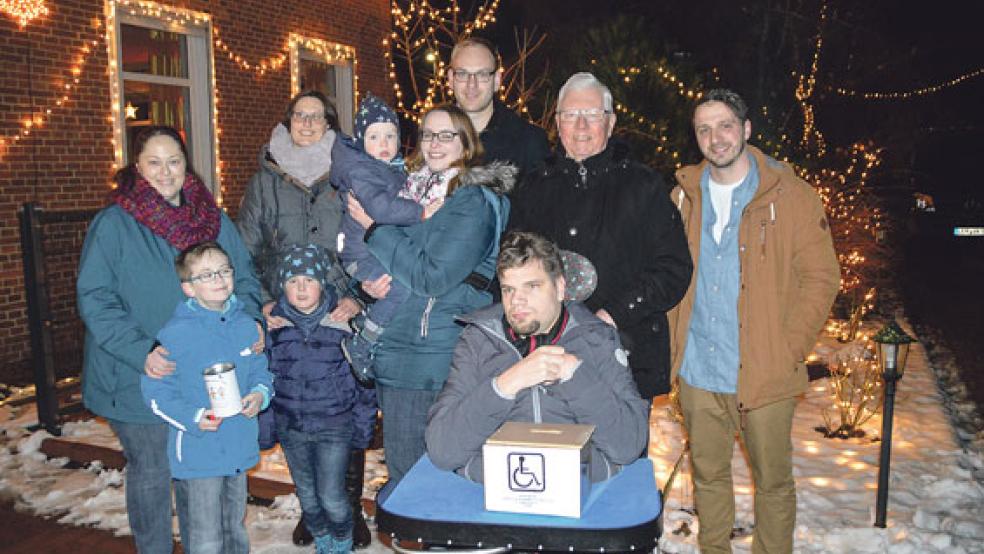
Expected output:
(601, 393)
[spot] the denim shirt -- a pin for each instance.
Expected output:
(711, 357)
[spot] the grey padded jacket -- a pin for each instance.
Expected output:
(278, 211)
(601, 393)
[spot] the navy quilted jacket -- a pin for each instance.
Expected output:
(314, 386)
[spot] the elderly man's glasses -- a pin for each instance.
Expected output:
(209, 276)
(591, 115)
(307, 117)
(462, 76)
(441, 136)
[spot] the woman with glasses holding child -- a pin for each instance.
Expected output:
(446, 261)
(127, 289)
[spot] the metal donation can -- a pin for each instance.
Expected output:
(223, 389)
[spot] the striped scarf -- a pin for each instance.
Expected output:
(196, 219)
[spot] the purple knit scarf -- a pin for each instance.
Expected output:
(195, 220)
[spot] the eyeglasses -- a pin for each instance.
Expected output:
(591, 115)
(307, 117)
(462, 76)
(209, 276)
(440, 136)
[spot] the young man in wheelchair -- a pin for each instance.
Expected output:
(537, 358)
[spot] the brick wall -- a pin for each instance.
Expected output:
(66, 164)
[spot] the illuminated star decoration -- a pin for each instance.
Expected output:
(131, 111)
(23, 10)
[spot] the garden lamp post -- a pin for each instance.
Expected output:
(893, 349)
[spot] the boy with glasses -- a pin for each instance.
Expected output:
(209, 455)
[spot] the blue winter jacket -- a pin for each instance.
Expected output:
(198, 337)
(315, 389)
(127, 289)
(432, 259)
(375, 184)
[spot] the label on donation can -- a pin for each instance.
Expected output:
(223, 389)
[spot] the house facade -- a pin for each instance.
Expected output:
(80, 77)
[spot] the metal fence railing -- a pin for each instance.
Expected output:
(51, 243)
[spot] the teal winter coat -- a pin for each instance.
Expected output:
(433, 259)
(127, 290)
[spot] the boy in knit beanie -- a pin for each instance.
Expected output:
(320, 413)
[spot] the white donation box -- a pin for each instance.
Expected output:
(538, 468)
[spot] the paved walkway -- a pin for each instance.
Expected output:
(26, 534)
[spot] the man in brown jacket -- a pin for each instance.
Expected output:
(765, 277)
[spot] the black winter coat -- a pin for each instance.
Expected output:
(618, 214)
(510, 139)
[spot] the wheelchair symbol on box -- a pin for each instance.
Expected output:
(526, 472)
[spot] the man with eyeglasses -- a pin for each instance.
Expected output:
(592, 199)
(475, 77)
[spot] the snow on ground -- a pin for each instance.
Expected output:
(935, 503)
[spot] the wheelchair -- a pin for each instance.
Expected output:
(445, 511)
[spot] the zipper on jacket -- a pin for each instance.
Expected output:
(425, 317)
(764, 223)
(535, 395)
(762, 239)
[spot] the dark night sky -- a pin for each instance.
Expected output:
(877, 45)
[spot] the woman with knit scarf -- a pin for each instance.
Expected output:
(290, 202)
(127, 289)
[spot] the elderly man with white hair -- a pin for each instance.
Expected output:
(592, 199)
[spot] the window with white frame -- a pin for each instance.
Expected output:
(163, 77)
(329, 68)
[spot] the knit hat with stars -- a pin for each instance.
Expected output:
(373, 110)
(306, 260)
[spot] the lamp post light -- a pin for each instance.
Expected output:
(893, 349)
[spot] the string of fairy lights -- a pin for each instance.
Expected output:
(907, 94)
(805, 86)
(416, 35)
(25, 11)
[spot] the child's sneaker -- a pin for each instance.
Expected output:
(358, 352)
(324, 544)
(341, 547)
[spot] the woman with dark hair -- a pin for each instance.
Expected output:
(127, 289)
(446, 261)
(290, 202)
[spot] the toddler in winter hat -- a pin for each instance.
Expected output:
(377, 130)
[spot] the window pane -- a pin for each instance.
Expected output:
(318, 75)
(155, 52)
(151, 104)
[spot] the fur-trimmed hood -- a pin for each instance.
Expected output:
(499, 177)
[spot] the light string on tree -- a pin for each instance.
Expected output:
(804, 90)
(905, 95)
(629, 74)
(652, 130)
(24, 11)
(415, 37)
